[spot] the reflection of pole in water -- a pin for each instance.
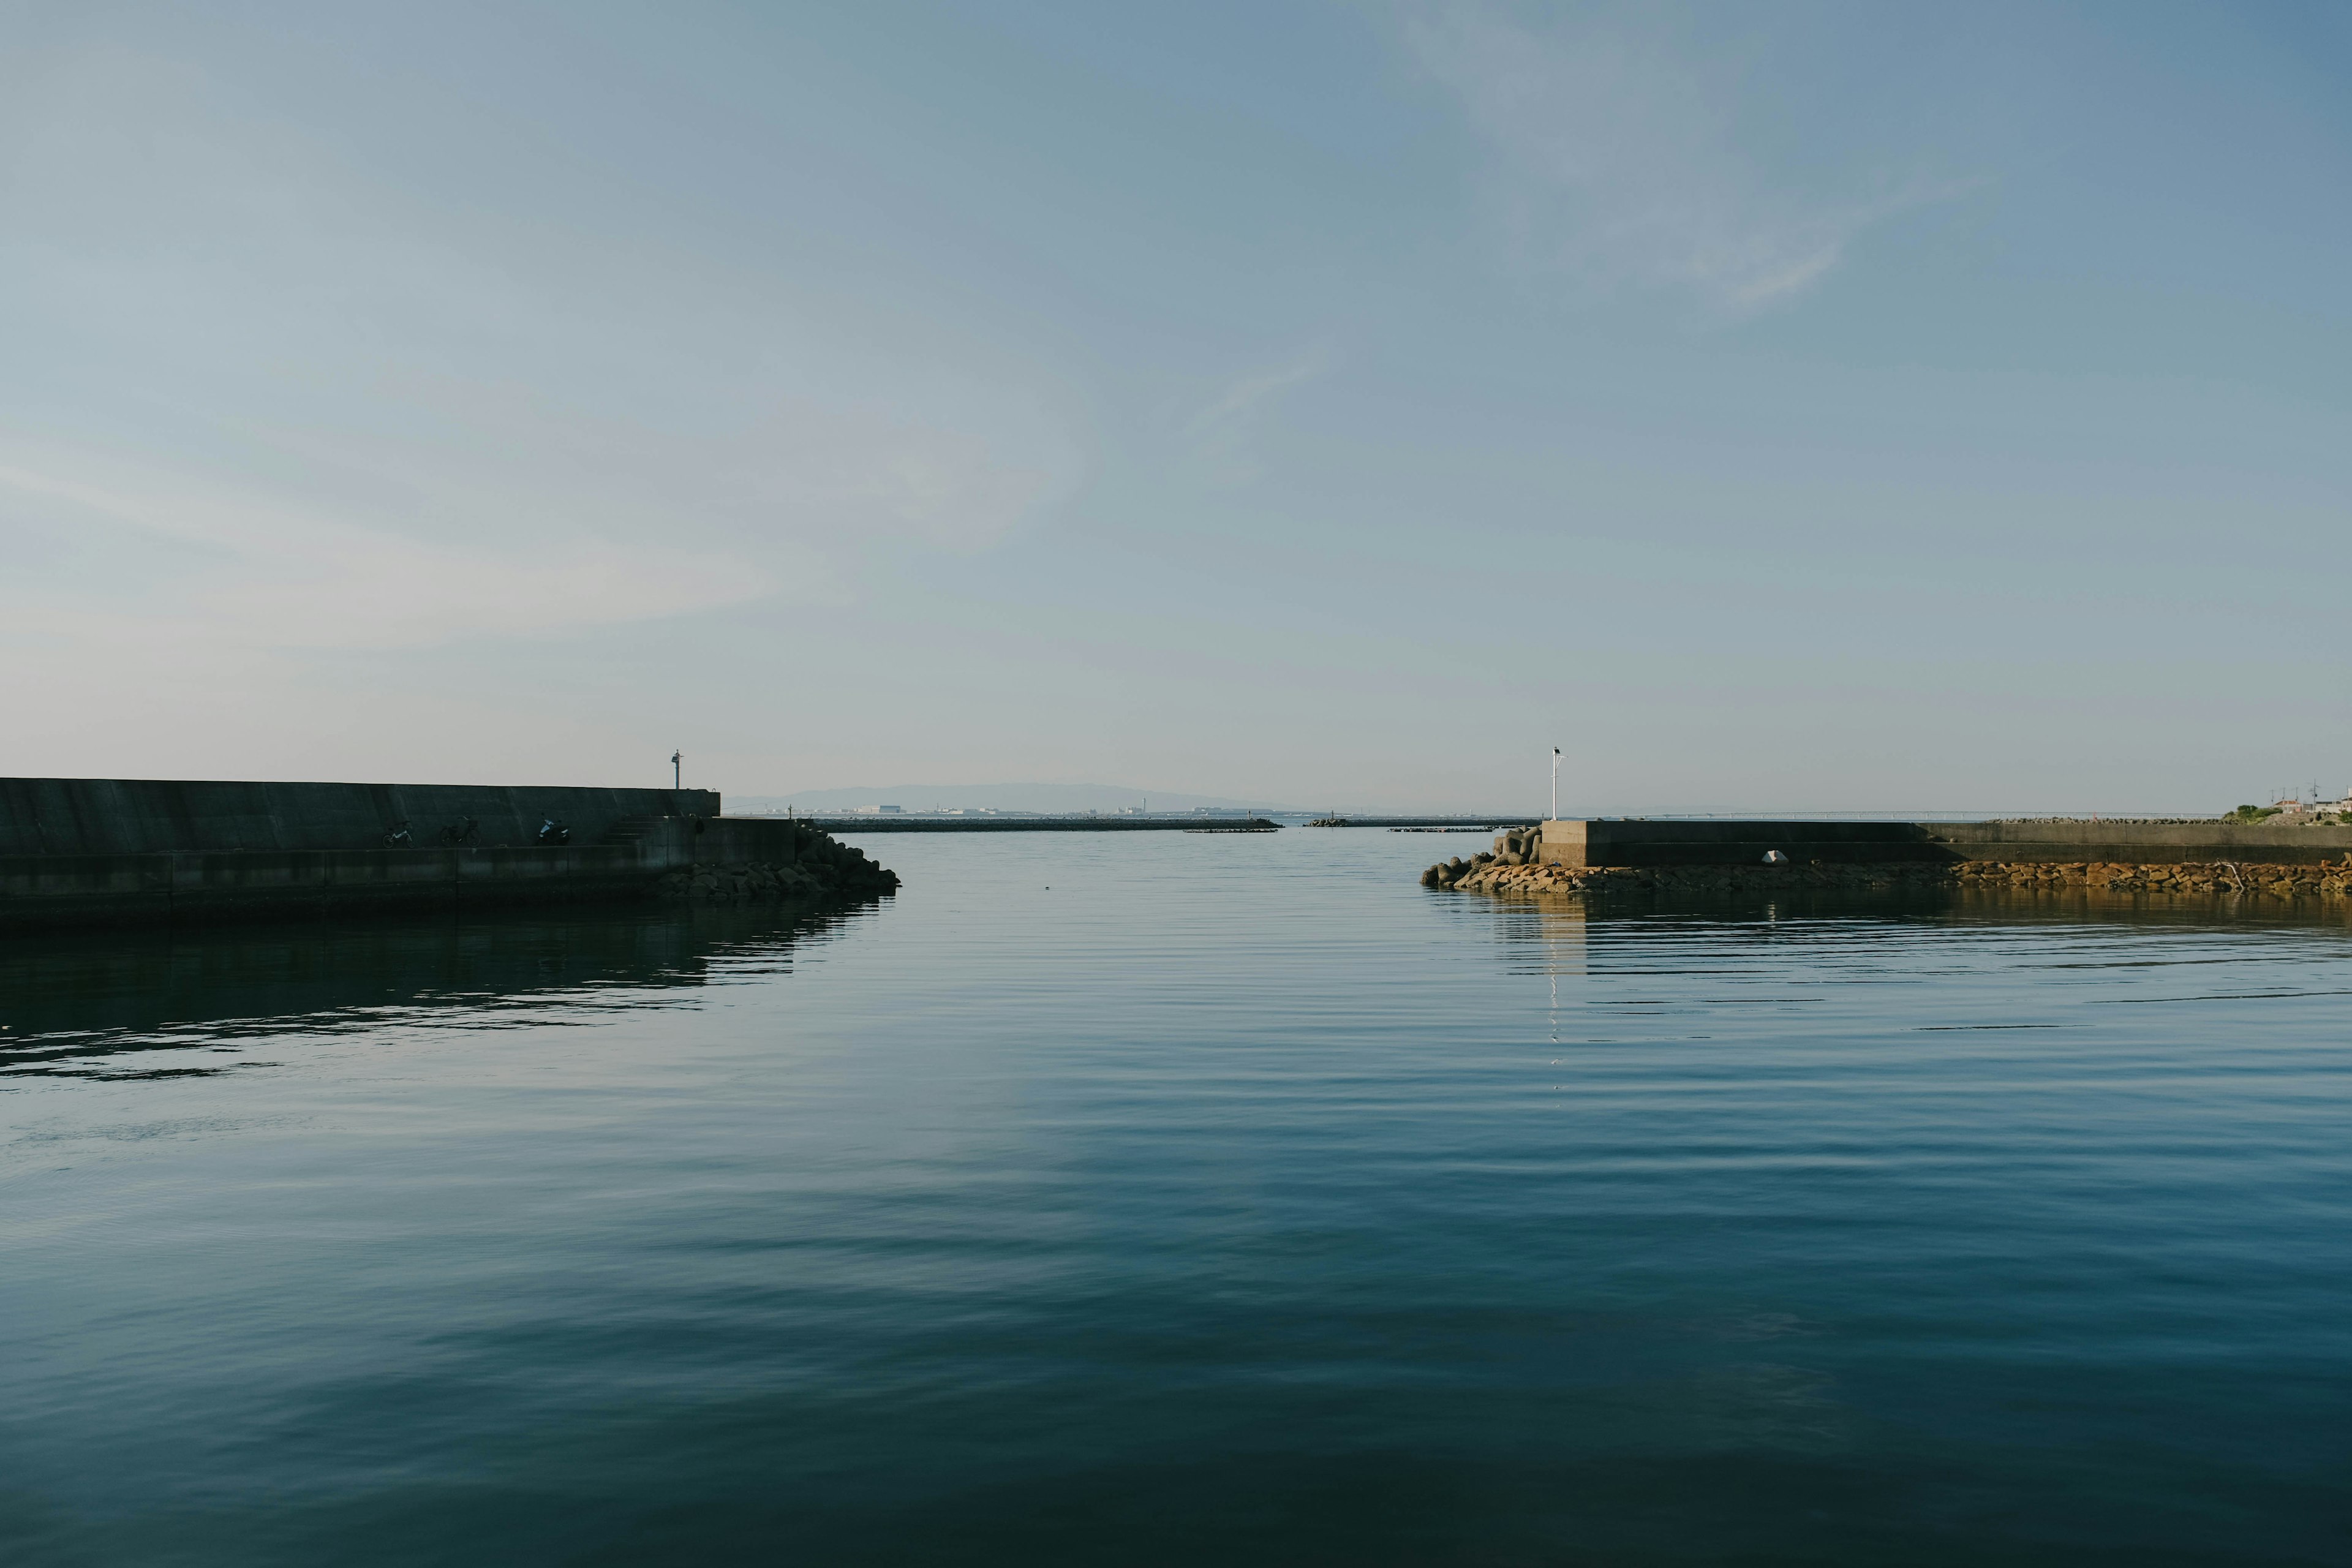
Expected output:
(1560, 927)
(1563, 933)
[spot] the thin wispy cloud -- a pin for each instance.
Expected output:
(1620, 159)
(252, 573)
(1220, 431)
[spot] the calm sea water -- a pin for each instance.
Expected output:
(1171, 1199)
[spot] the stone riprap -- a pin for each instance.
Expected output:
(2293, 880)
(822, 869)
(1486, 874)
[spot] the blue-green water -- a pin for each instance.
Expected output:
(1170, 1199)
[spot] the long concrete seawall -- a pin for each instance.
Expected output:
(147, 816)
(105, 850)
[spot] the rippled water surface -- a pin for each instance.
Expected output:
(1171, 1198)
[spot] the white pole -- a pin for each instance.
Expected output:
(1555, 784)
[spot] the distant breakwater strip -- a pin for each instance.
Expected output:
(1139, 823)
(879, 824)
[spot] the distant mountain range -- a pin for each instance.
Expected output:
(1041, 797)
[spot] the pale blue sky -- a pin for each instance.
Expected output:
(1793, 406)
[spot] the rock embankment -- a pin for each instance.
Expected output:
(827, 871)
(1513, 851)
(1511, 869)
(2320, 881)
(1491, 874)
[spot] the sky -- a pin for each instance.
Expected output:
(1802, 408)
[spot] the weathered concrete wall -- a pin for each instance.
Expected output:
(1596, 843)
(73, 889)
(152, 816)
(2141, 843)
(82, 850)
(762, 840)
(1638, 843)
(43, 891)
(189, 852)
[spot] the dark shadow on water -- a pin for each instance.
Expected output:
(70, 999)
(1279, 1506)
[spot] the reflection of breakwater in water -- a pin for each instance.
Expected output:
(1595, 950)
(70, 1002)
(1563, 925)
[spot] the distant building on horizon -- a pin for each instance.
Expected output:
(2291, 806)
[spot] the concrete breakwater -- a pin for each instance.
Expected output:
(149, 850)
(2167, 858)
(215, 817)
